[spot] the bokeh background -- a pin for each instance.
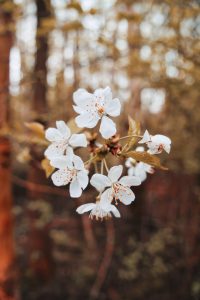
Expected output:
(148, 53)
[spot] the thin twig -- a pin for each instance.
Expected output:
(104, 266)
(101, 167)
(129, 136)
(105, 163)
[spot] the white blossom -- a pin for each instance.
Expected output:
(95, 107)
(62, 141)
(72, 172)
(156, 143)
(139, 169)
(99, 210)
(118, 189)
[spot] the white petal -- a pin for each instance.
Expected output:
(82, 98)
(131, 171)
(100, 182)
(78, 140)
(83, 179)
(85, 207)
(107, 94)
(114, 173)
(53, 135)
(125, 195)
(78, 109)
(87, 120)
(115, 211)
(61, 162)
(61, 177)
(167, 148)
(63, 128)
(78, 163)
(106, 199)
(75, 189)
(107, 127)
(54, 150)
(146, 138)
(113, 107)
(140, 149)
(130, 181)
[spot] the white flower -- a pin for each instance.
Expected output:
(100, 210)
(62, 141)
(139, 169)
(118, 190)
(70, 172)
(94, 107)
(156, 143)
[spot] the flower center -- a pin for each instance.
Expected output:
(99, 213)
(100, 109)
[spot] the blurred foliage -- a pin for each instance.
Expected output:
(148, 52)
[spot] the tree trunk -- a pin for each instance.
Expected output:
(6, 221)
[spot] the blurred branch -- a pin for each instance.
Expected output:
(104, 266)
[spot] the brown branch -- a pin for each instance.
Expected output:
(104, 266)
(40, 188)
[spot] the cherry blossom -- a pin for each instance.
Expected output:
(95, 107)
(139, 169)
(118, 189)
(100, 210)
(62, 141)
(156, 143)
(72, 172)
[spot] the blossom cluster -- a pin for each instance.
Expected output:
(98, 109)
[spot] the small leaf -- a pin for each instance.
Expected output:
(36, 128)
(47, 167)
(134, 129)
(146, 158)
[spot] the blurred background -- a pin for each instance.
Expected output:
(148, 53)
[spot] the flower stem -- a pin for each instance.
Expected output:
(128, 136)
(105, 164)
(102, 167)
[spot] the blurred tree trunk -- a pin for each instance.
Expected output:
(39, 242)
(40, 72)
(6, 221)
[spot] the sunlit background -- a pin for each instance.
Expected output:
(148, 53)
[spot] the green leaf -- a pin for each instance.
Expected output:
(146, 158)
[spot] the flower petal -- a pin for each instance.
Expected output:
(146, 138)
(114, 173)
(83, 179)
(54, 150)
(100, 182)
(78, 109)
(85, 207)
(87, 120)
(78, 140)
(125, 195)
(82, 98)
(113, 108)
(107, 127)
(63, 128)
(115, 211)
(53, 135)
(78, 163)
(75, 189)
(130, 181)
(106, 199)
(61, 162)
(61, 177)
